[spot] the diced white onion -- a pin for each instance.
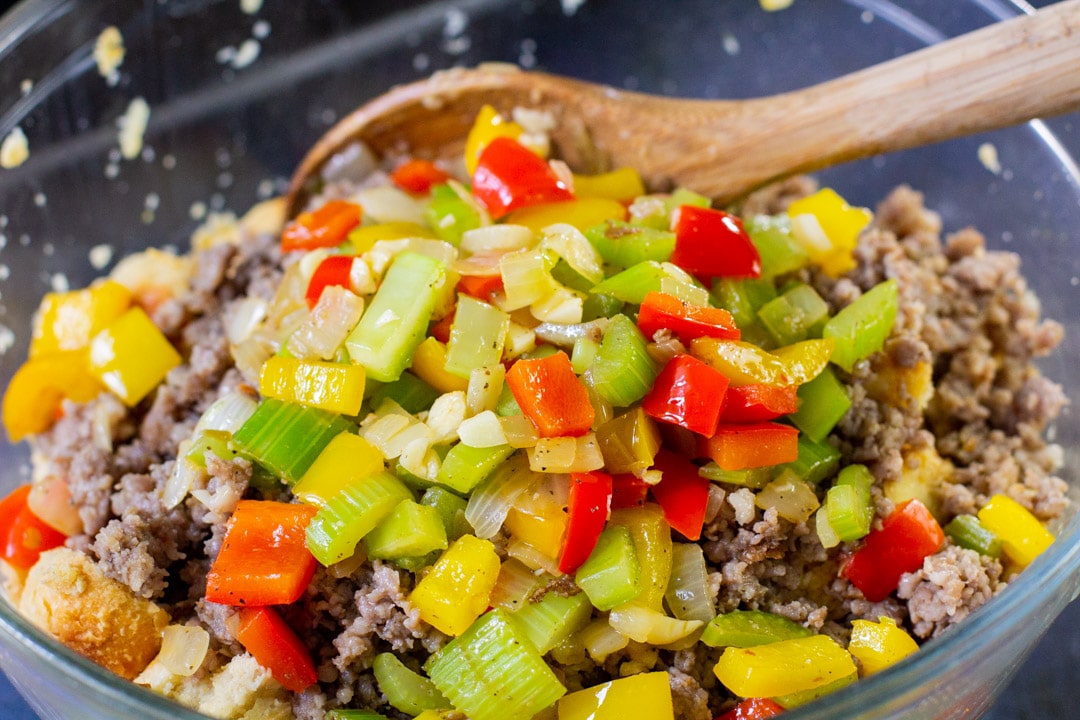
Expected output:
(244, 316)
(519, 431)
(383, 252)
(482, 430)
(792, 498)
(184, 476)
(311, 260)
(600, 639)
(183, 648)
(810, 236)
(564, 335)
(645, 625)
(562, 305)
(485, 387)
(516, 582)
(419, 459)
(50, 501)
(497, 239)
(227, 413)
(331, 320)
(532, 557)
(688, 594)
(446, 415)
(386, 203)
(526, 278)
(249, 357)
(519, 340)
(492, 499)
(571, 245)
(566, 454)
(825, 532)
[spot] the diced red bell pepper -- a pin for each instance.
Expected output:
(753, 709)
(628, 490)
(277, 648)
(418, 176)
(906, 537)
(740, 447)
(334, 270)
(687, 393)
(481, 287)
(660, 310)
(325, 227)
(587, 509)
(264, 558)
(440, 329)
(758, 402)
(510, 176)
(682, 493)
(712, 243)
(551, 395)
(23, 535)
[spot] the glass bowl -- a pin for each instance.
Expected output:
(237, 96)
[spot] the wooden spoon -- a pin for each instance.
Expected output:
(997, 76)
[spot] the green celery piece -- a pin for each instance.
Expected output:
(416, 564)
(611, 575)
(967, 531)
(476, 337)
(743, 298)
(748, 628)
(410, 530)
(396, 322)
(571, 278)
(218, 442)
(451, 509)
(685, 196)
(849, 505)
(598, 305)
(341, 714)
(553, 619)
(286, 438)
(753, 478)
(351, 514)
(795, 315)
(540, 351)
(412, 481)
(624, 244)
(583, 354)
(450, 216)
(623, 371)
(802, 697)
(507, 404)
(860, 329)
(823, 402)
(405, 690)
(465, 467)
(771, 235)
(817, 461)
(634, 283)
(408, 391)
(492, 672)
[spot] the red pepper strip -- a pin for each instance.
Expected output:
(264, 558)
(334, 270)
(587, 509)
(440, 329)
(510, 176)
(753, 709)
(23, 535)
(628, 490)
(682, 493)
(907, 536)
(739, 447)
(418, 176)
(481, 287)
(758, 402)
(551, 395)
(711, 243)
(277, 648)
(687, 393)
(325, 227)
(660, 310)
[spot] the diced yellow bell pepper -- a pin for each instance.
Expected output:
(744, 363)
(1023, 537)
(539, 521)
(457, 589)
(130, 356)
(489, 125)
(621, 184)
(783, 667)
(841, 224)
(331, 386)
(877, 645)
(32, 399)
(652, 545)
(364, 238)
(582, 213)
(647, 695)
(429, 364)
(348, 458)
(68, 320)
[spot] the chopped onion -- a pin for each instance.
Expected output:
(50, 500)
(355, 160)
(532, 557)
(485, 387)
(792, 498)
(516, 582)
(564, 335)
(563, 305)
(497, 239)
(390, 431)
(249, 357)
(482, 430)
(807, 232)
(553, 488)
(492, 499)
(526, 278)
(688, 593)
(519, 340)
(644, 625)
(418, 458)
(600, 639)
(331, 320)
(573, 247)
(244, 316)
(227, 413)
(386, 203)
(184, 476)
(183, 648)
(519, 431)
(383, 252)
(446, 415)
(478, 266)
(566, 454)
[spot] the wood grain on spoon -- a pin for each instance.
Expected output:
(1000, 75)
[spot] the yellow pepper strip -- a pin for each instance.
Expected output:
(783, 667)
(1022, 536)
(539, 521)
(647, 695)
(364, 238)
(457, 589)
(130, 356)
(429, 364)
(877, 645)
(806, 359)
(744, 363)
(326, 385)
(582, 213)
(841, 224)
(621, 184)
(32, 399)
(67, 321)
(489, 125)
(348, 458)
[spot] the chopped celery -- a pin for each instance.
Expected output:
(823, 402)
(598, 305)
(753, 478)
(397, 320)
(634, 283)
(564, 274)
(743, 298)
(652, 546)
(343, 714)
(624, 244)
(817, 460)
(850, 506)
(449, 215)
(685, 196)
(516, 584)
(623, 370)
(749, 628)
(285, 438)
(553, 619)
(492, 672)
(610, 577)
(780, 254)
(794, 315)
(451, 509)
(410, 530)
(217, 442)
(860, 329)
(583, 354)
(351, 514)
(967, 532)
(465, 467)
(507, 403)
(405, 690)
(476, 337)
(629, 442)
(688, 593)
(408, 391)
